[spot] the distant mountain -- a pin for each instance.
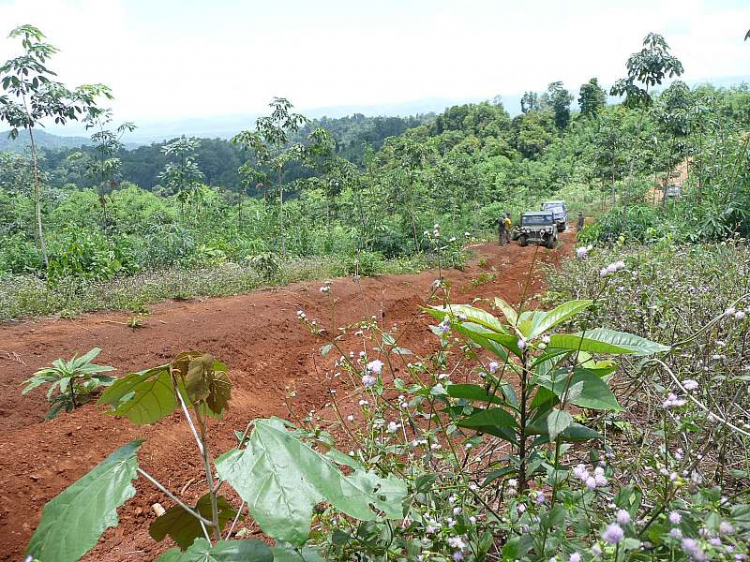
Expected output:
(226, 126)
(42, 139)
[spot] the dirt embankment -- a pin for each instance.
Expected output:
(257, 335)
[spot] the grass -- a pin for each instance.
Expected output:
(24, 296)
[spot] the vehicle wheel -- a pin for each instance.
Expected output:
(561, 227)
(550, 243)
(523, 240)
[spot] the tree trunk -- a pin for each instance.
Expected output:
(38, 200)
(281, 213)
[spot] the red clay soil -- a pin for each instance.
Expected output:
(266, 349)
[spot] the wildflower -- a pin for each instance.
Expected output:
(581, 472)
(512, 483)
(444, 326)
(404, 405)
(726, 528)
(613, 533)
(591, 483)
(393, 427)
(676, 534)
(301, 315)
(546, 339)
(350, 417)
(473, 519)
(581, 252)
(730, 311)
(611, 268)
(542, 346)
(739, 315)
(363, 402)
(375, 366)
(456, 511)
(619, 265)
(673, 402)
(521, 508)
(599, 471)
(714, 541)
(369, 380)
(596, 550)
(521, 343)
(457, 556)
(692, 547)
(540, 498)
(473, 487)
(493, 366)
(690, 384)
(603, 272)
(623, 517)
(575, 557)
(456, 542)
(325, 290)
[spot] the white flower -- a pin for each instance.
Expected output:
(512, 483)
(393, 427)
(739, 315)
(591, 483)
(603, 272)
(363, 402)
(493, 366)
(521, 344)
(369, 380)
(611, 268)
(546, 339)
(623, 517)
(619, 265)
(730, 311)
(350, 417)
(456, 542)
(581, 252)
(375, 366)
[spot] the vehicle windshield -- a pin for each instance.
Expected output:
(536, 219)
(552, 205)
(557, 211)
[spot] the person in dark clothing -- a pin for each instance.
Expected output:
(500, 230)
(579, 226)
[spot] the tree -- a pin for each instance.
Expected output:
(529, 102)
(271, 146)
(592, 98)
(104, 170)
(38, 97)
(181, 174)
(646, 68)
(558, 99)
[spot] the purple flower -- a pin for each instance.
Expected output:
(690, 384)
(623, 517)
(375, 366)
(674, 518)
(692, 547)
(493, 366)
(369, 380)
(613, 533)
(726, 528)
(575, 557)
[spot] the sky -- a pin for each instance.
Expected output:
(173, 59)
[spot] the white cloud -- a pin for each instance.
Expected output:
(167, 59)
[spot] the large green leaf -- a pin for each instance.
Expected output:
(143, 397)
(222, 551)
(508, 311)
(471, 314)
(590, 391)
(493, 421)
(557, 422)
(73, 521)
(472, 392)
(544, 323)
(606, 341)
(478, 338)
(282, 478)
(288, 554)
(183, 527)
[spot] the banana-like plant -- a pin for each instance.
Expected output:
(72, 382)
(526, 400)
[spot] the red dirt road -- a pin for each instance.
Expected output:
(260, 339)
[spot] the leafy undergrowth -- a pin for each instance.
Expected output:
(611, 426)
(28, 295)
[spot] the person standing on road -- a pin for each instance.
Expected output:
(500, 230)
(579, 226)
(507, 224)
